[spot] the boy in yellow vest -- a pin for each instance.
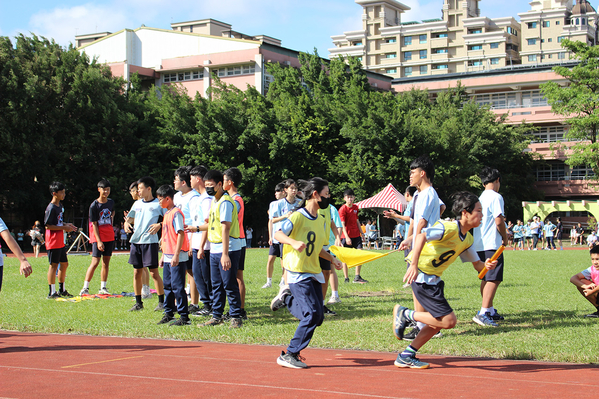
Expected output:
(435, 248)
(175, 248)
(225, 250)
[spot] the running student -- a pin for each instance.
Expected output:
(587, 281)
(435, 248)
(274, 250)
(145, 215)
(304, 234)
(175, 246)
(57, 253)
(101, 218)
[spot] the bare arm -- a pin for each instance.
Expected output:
(96, 230)
(500, 223)
(25, 268)
(225, 261)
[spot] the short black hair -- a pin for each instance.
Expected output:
(489, 175)
(348, 191)
(289, 182)
(148, 182)
(183, 173)
(463, 201)
(411, 190)
(426, 164)
(199, 170)
(280, 187)
(234, 175)
(56, 186)
(103, 183)
(166, 190)
(214, 175)
(133, 185)
(594, 249)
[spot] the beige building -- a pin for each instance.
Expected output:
(461, 40)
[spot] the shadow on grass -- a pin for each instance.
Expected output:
(58, 348)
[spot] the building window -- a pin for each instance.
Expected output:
(475, 63)
(532, 57)
(390, 40)
(533, 98)
(512, 31)
(494, 61)
(407, 55)
(550, 40)
(560, 38)
(391, 55)
(561, 56)
(475, 47)
(407, 71)
(512, 47)
(498, 100)
(423, 69)
(546, 24)
(407, 40)
(577, 21)
(422, 39)
(552, 134)
(357, 44)
(551, 172)
(438, 35)
(557, 22)
(439, 51)
(423, 54)
(583, 21)
(581, 173)
(392, 70)
(440, 66)
(474, 31)
(494, 45)
(532, 42)
(532, 25)
(182, 76)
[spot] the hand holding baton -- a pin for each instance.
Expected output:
(496, 255)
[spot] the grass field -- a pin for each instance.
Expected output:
(543, 310)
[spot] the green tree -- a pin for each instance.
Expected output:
(578, 103)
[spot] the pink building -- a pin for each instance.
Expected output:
(190, 53)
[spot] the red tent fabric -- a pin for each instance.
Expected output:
(389, 198)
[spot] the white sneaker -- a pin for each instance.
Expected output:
(267, 285)
(84, 291)
(334, 299)
(282, 283)
(145, 292)
(103, 291)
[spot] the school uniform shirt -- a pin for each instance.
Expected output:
(311, 230)
(518, 231)
(427, 206)
(223, 210)
(145, 215)
(283, 207)
(548, 228)
(349, 216)
(183, 202)
(534, 227)
(273, 212)
(199, 208)
(408, 212)
(444, 243)
(54, 217)
(2, 228)
(102, 214)
(174, 222)
(486, 236)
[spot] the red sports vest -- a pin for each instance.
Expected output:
(169, 235)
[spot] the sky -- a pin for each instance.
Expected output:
(301, 25)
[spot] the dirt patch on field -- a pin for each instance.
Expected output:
(367, 294)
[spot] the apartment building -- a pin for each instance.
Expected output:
(192, 52)
(461, 40)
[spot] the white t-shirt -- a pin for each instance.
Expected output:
(486, 236)
(200, 210)
(427, 206)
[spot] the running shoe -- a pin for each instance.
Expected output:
(145, 292)
(291, 360)
(136, 307)
(334, 299)
(593, 315)
(167, 318)
(411, 362)
(329, 312)
(65, 294)
(236, 322)
(484, 320)
(359, 280)
(496, 316)
(84, 291)
(54, 296)
(212, 322)
(180, 322)
(278, 302)
(412, 334)
(399, 321)
(103, 291)
(267, 285)
(160, 307)
(193, 308)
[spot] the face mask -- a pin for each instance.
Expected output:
(211, 191)
(323, 203)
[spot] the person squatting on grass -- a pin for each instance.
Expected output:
(304, 233)
(25, 268)
(175, 248)
(587, 281)
(57, 253)
(435, 248)
(101, 218)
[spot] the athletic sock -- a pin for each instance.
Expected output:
(138, 299)
(410, 351)
(161, 298)
(420, 325)
(52, 288)
(335, 294)
(103, 284)
(324, 302)
(483, 310)
(86, 285)
(269, 280)
(492, 311)
(409, 314)
(61, 287)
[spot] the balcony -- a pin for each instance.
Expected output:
(440, 42)
(440, 56)
(567, 188)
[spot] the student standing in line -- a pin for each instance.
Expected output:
(274, 250)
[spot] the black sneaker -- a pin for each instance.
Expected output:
(236, 322)
(496, 316)
(227, 316)
(205, 311)
(278, 302)
(180, 322)
(329, 312)
(167, 318)
(212, 322)
(291, 360)
(54, 296)
(358, 279)
(346, 280)
(412, 334)
(160, 307)
(136, 307)
(65, 294)
(593, 315)
(244, 314)
(193, 308)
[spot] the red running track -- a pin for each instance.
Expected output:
(76, 366)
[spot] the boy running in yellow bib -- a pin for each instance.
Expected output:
(303, 234)
(435, 248)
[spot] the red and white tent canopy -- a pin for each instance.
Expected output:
(389, 198)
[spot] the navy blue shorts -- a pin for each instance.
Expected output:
(432, 298)
(108, 247)
(242, 259)
(324, 264)
(275, 250)
(58, 255)
(188, 264)
(144, 255)
(356, 242)
(495, 274)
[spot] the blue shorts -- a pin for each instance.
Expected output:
(432, 298)
(108, 247)
(242, 259)
(144, 255)
(495, 274)
(276, 250)
(58, 255)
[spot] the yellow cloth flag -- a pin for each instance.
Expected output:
(354, 257)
